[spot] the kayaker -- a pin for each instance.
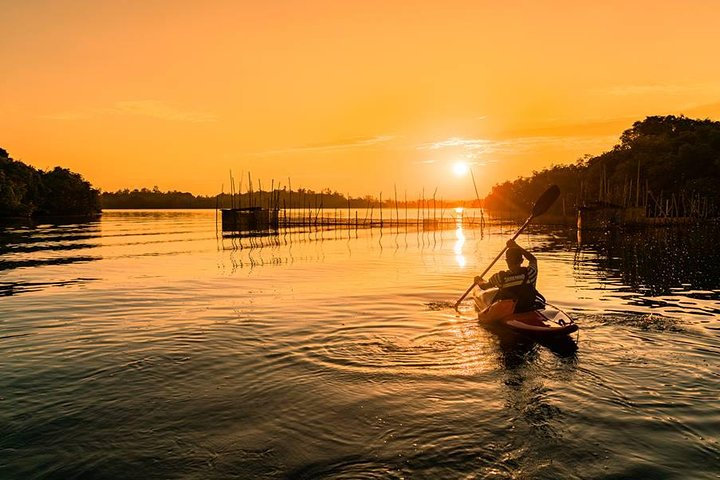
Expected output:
(517, 282)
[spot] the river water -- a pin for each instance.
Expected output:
(144, 346)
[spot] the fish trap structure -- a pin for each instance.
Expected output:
(257, 212)
(249, 219)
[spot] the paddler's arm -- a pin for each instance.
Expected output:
(494, 282)
(482, 283)
(529, 256)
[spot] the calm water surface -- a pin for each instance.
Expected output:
(142, 346)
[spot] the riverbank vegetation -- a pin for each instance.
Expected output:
(667, 160)
(278, 197)
(662, 160)
(28, 192)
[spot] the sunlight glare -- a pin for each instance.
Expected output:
(461, 169)
(458, 247)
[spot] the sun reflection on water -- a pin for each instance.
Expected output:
(458, 247)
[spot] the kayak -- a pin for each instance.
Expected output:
(542, 322)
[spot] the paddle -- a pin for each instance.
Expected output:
(541, 206)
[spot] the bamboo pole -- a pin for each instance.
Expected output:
(406, 210)
(381, 211)
(232, 191)
(250, 191)
(397, 212)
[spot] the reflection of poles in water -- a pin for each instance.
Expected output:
(458, 247)
(217, 211)
(577, 257)
(381, 233)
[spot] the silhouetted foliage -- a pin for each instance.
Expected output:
(154, 198)
(670, 155)
(26, 191)
(280, 198)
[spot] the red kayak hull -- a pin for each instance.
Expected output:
(536, 323)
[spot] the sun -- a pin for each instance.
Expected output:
(460, 169)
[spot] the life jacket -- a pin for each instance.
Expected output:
(524, 294)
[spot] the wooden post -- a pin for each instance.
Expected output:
(397, 211)
(406, 210)
(381, 211)
(250, 190)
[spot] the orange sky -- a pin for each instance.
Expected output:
(351, 95)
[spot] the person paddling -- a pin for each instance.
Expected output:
(518, 282)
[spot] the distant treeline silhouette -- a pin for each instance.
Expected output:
(659, 157)
(278, 198)
(26, 191)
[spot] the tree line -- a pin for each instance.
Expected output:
(276, 198)
(659, 157)
(27, 192)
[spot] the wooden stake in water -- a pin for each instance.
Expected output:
(397, 212)
(232, 191)
(250, 191)
(239, 203)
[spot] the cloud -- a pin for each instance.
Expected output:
(145, 108)
(475, 148)
(350, 143)
(453, 142)
(528, 144)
